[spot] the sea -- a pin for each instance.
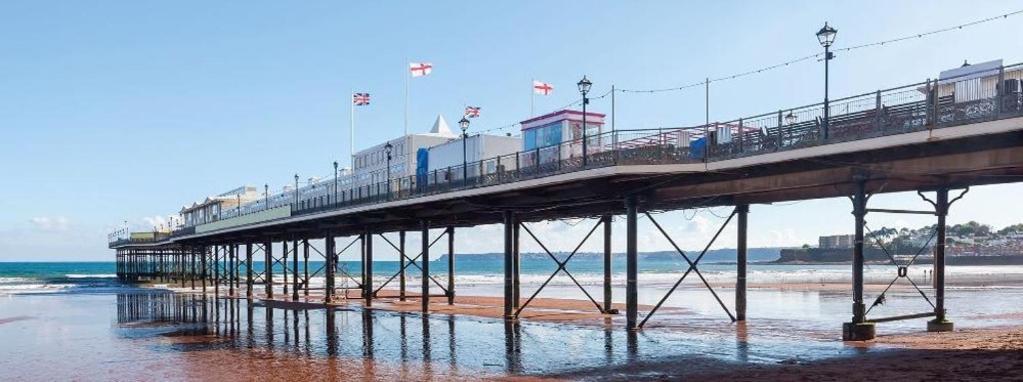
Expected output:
(484, 271)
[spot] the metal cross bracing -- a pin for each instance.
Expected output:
(860, 327)
(305, 279)
(902, 269)
(283, 262)
(344, 271)
(692, 267)
(561, 267)
(411, 261)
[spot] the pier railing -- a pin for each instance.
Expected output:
(932, 104)
(142, 238)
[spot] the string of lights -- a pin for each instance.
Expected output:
(816, 56)
(819, 55)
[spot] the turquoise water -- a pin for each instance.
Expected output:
(55, 270)
(488, 270)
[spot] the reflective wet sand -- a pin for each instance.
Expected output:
(146, 334)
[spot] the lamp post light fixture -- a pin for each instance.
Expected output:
(335, 182)
(826, 37)
(584, 88)
(387, 149)
(296, 191)
(266, 196)
(464, 125)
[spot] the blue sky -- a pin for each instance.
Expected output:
(126, 110)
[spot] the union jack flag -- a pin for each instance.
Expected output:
(472, 111)
(360, 99)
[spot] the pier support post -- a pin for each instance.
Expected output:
(182, 266)
(362, 266)
(741, 256)
(284, 266)
(516, 265)
(294, 271)
(235, 277)
(509, 264)
(451, 266)
(191, 263)
(230, 273)
(367, 282)
(631, 264)
(305, 266)
(248, 270)
(401, 265)
(216, 270)
(425, 227)
(329, 268)
(606, 221)
(940, 323)
(859, 329)
(268, 269)
(202, 259)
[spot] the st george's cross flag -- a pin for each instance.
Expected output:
(360, 99)
(542, 88)
(420, 69)
(472, 111)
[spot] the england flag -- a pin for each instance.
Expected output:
(420, 69)
(542, 88)
(472, 111)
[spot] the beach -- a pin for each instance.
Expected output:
(164, 332)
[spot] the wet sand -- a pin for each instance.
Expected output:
(149, 334)
(981, 354)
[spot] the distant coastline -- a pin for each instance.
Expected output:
(876, 255)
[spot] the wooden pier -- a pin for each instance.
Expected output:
(911, 138)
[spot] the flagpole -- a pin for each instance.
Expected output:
(532, 95)
(351, 132)
(406, 95)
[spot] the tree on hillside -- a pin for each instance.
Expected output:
(1012, 229)
(884, 235)
(970, 229)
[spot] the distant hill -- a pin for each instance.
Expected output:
(724, 255)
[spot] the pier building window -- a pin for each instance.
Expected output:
(542, 136)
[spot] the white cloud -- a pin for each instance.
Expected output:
(51, 224)
(151, 221)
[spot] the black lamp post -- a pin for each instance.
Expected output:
(266, 196)
(387, 149)
(296, 191)
(464, 125)
(826, 36)
(335, 182)
(584, 88)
